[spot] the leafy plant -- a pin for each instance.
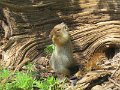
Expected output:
(26, 81)
(23, 81)
(29, 68)
(49, 48)
(46, 84)
(4, 73)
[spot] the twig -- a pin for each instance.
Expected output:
(115, 71)
(111, 80)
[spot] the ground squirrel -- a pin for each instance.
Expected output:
(62, 57)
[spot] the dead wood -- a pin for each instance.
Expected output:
(94, 28)
(113, 81)
(115, 71)
(91, 79)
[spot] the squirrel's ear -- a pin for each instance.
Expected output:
(63, 23)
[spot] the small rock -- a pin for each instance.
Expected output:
(97, 87)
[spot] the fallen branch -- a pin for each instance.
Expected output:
(91, 79)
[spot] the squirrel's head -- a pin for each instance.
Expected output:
(60, 33)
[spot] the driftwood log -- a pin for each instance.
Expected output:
(94, 28)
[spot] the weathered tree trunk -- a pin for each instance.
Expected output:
(94, 27)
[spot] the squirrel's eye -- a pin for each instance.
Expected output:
(57, 30)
